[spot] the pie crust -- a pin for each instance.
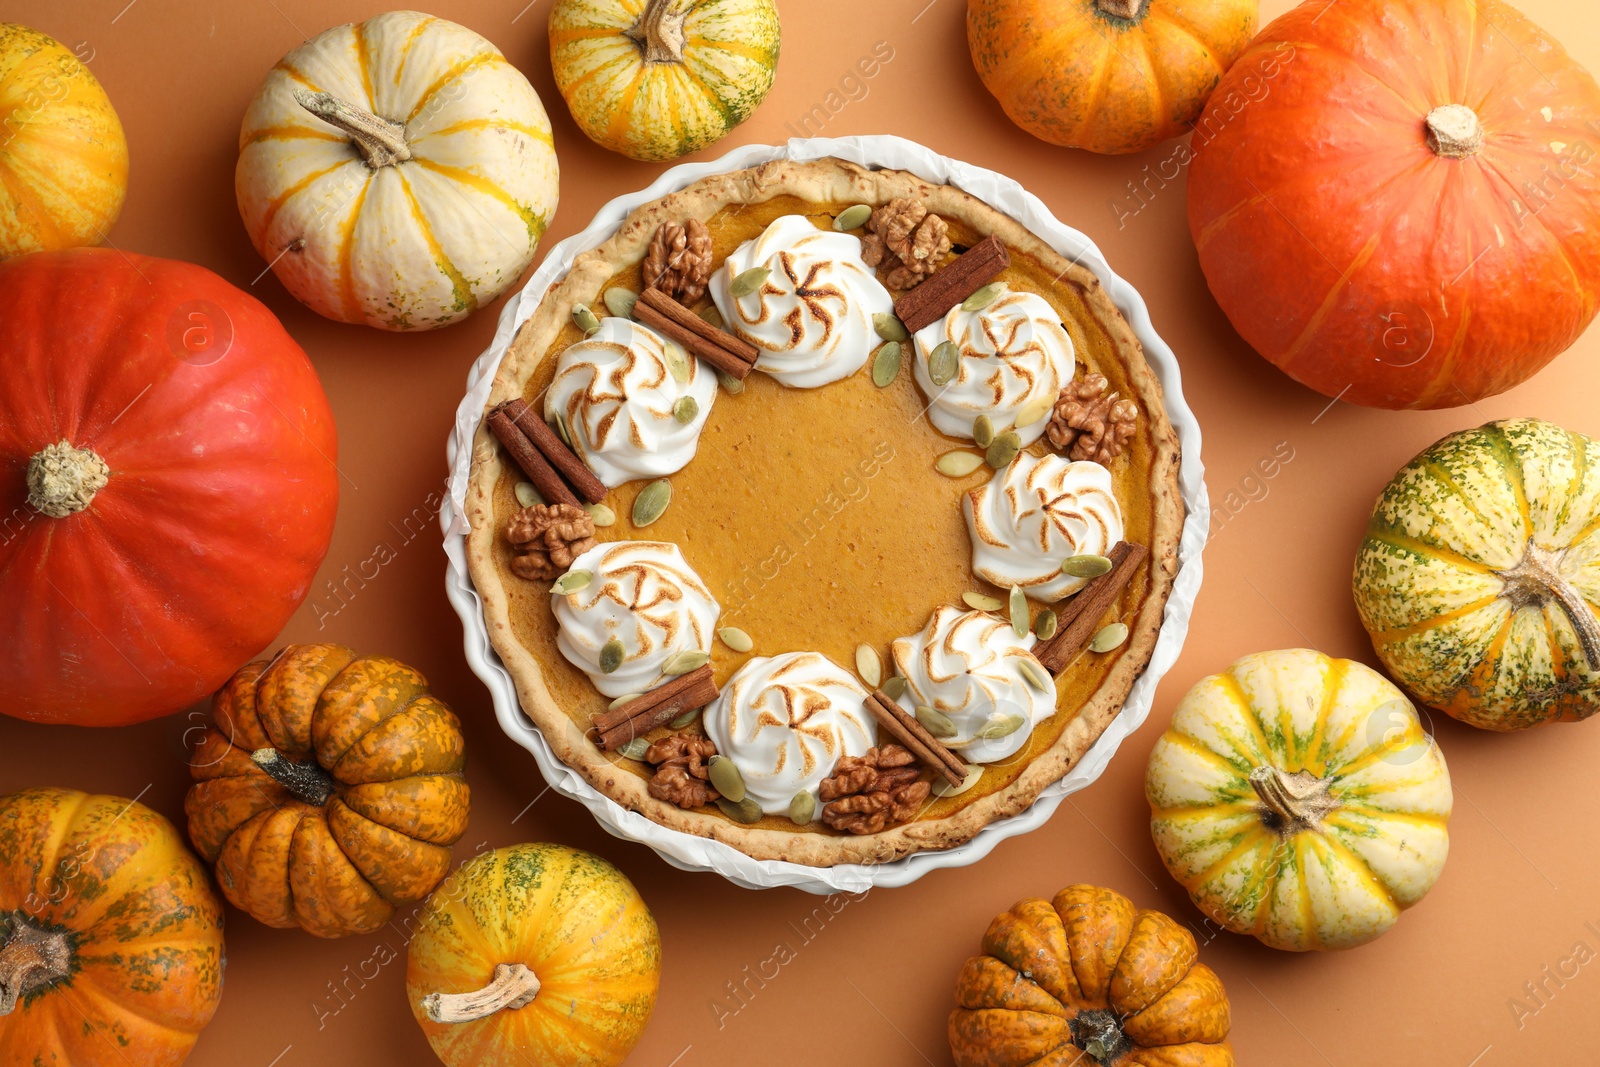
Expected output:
(827, 181)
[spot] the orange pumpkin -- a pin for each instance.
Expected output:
(1407, 213)
(535, 954)
(329, 791)
(110, 934)
(1088, 978)
(1112, 76)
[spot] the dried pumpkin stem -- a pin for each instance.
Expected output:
(33, 957)
(1454, 131)
(514, 986)
(306, 781)
(1122, 9)
(659, 32)
(381, 143)
(62, 480)
(1537, 580)
(1295, 801)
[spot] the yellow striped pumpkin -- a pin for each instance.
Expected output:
(1479, 579)
(397, 172)
(63, 157)
(1297, 798)
(657, 79)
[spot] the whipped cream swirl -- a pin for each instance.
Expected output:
(812, 317)
(617, 391)
(965, 664)
(1034, 514)
(1012, 352)
(785, 721)
(646, 596)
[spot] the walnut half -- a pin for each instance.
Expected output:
(678, 261)
(867, 794)
(1087, 424)
(681, 776)
(546, 538)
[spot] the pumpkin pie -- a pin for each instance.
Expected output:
(872, 532)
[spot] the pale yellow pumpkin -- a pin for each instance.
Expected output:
(63, 157)
(397, 172)
(661, 78)
(1297, 798)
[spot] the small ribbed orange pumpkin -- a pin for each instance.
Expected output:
(329, 791)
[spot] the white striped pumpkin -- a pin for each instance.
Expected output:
(1297, 798)
(425, 195)
(657, 79)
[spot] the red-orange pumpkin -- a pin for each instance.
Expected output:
(1407, 214)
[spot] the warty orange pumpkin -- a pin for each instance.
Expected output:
(329, 789)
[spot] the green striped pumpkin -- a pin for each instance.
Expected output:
(657, 79)
(1298, 799)
(1480, 575)
(397, 172)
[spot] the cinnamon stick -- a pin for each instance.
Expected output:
(533, 464)
(914, 736)
(949, 286)
(677, 323)
(659, 706)
(1080, 618)
(554, 449)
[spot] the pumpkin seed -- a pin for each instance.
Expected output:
(527, 495)
(942, 788)
(1000, 726)
(620, 301)
(563, 431)
(886, 364)
(889, 326)
(868, 665)
(713, 316)
(736, 639)
(584, 319)
(1019, 611)
(1002, 450)
(686, 409)
(943, 362)
(1044, 625)
(983, 431)
(601, 514)
(611, 654)
(690, 659)
(625, 698)
(1034, 410)
(852, 218)
(894, 687)
(1109, 637)
(958, 464)
(685, 719)
(677, 363)
(651, 502)
(1085, 566)
(572, 582)
(746, 811)
(980, 602)
(730, 385)
(725, 778)
(983, 297)
(937, 722)
(802, 808)
(634, 749)
(1036, 675)
(749, 281)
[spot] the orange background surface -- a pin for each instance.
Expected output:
(870, 981)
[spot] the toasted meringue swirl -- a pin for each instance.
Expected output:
(785, 721)
(616, 391)
(812, 317)
(1034, 514)
(646, 596)
(1014, 351)
(965, 665)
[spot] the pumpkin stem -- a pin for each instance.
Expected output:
(306, 781)
(1454, 131)
(62, 480)
(33, 957)
(659, 32)
(1295, 801)
(1131, 10)
(1537, 580)
(380, 142)
(514, 986)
